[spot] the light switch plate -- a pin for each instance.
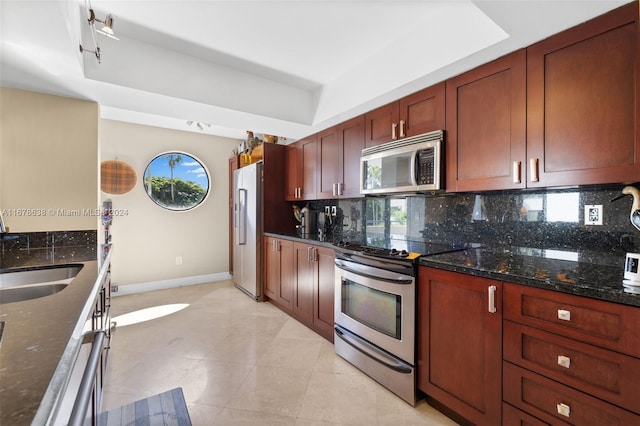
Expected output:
(593, 214)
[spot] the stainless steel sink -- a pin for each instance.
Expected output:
(29, 292)
(27, 284)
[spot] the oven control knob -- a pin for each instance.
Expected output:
(404, 253)
(393, 252)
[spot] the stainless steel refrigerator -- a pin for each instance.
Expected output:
(247, 229)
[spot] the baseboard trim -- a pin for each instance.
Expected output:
(123, 290)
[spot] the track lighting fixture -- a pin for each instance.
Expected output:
(107, 30)
(200, 125)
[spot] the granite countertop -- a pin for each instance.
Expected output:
(594, 275)
(36, 333)
(567, 272)
(309, 239)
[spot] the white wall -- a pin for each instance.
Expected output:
(48, 162)
(147, 239)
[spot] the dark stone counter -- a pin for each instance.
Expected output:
(36, 333)
(590, 274)
(308, 239)
(567, 272)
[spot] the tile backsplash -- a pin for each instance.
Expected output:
(32, 248)
(548, 219)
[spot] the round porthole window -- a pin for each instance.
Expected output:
(176, 181)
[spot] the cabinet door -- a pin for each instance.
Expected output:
(460, 343)
(380, 124)
(583, 89)
(279, 272)
(287, 274)
(324, 292)
(271, 268)
(302, 307)
(486, 126)
(293, 171)
(329, 172)
(351, 136)
(423, 111)
(309, 165)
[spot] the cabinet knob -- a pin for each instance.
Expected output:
(564, 361)
(393, 131)
(564, 315)
(563, 409)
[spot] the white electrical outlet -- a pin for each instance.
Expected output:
(593, 214)
(333, 211)
(178, 260)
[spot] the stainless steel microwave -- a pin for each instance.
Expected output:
(409, 165)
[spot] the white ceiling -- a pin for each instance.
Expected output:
(288, 68)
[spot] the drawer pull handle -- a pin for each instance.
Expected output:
(564, 361)
(533, 170)
(516, 172)
(563, 409)
(564, 315)
(492, 299)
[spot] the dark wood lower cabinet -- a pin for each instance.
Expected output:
(460, 343)
(511, 416)
(278, 271)
(557, 404)
(305, 271)
(323, 304)
(299, 279)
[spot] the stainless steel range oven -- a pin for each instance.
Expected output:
(375, 312)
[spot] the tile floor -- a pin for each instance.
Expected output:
(244, 363)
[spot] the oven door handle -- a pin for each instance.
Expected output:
(372, 352)
(375, 273)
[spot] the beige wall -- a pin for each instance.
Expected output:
(48, 161)
(148, 238)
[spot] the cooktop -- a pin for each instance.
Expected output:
(399, 249)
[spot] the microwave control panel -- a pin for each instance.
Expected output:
(426, 166)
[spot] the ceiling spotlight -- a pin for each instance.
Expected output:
(107, 28)
(200, 125)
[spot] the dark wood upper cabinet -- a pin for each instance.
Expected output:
(486, 126)
(339, 150)
(422, 112)
(418, 113)
(329, 173)
(380, 124)
(293, 172)
(301, 162)
(583, 90)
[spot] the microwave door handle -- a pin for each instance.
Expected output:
(412, 168)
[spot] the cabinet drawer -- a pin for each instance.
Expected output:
(545, 399)
(511, 416)
(606, 374)
(609, 325)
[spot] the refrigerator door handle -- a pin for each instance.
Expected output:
(242, 217)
